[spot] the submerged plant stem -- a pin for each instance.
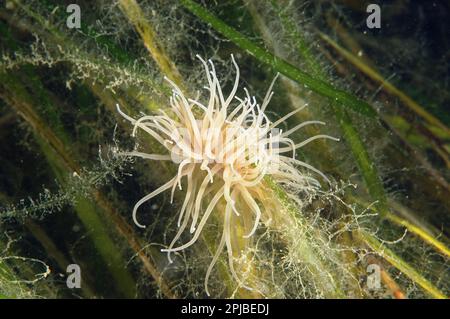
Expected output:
(400, 264)
(134, 13)
(343, 98)
(373, 74)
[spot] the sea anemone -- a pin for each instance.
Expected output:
(225, 149)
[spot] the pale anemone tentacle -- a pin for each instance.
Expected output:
(148, 197)
(202, 223)
(307, 141)
(255, 208)
(224, 149)
(216, 256)
(299, 126)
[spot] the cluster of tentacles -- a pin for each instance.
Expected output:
(224, 148)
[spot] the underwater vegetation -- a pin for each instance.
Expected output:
(224, 149)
